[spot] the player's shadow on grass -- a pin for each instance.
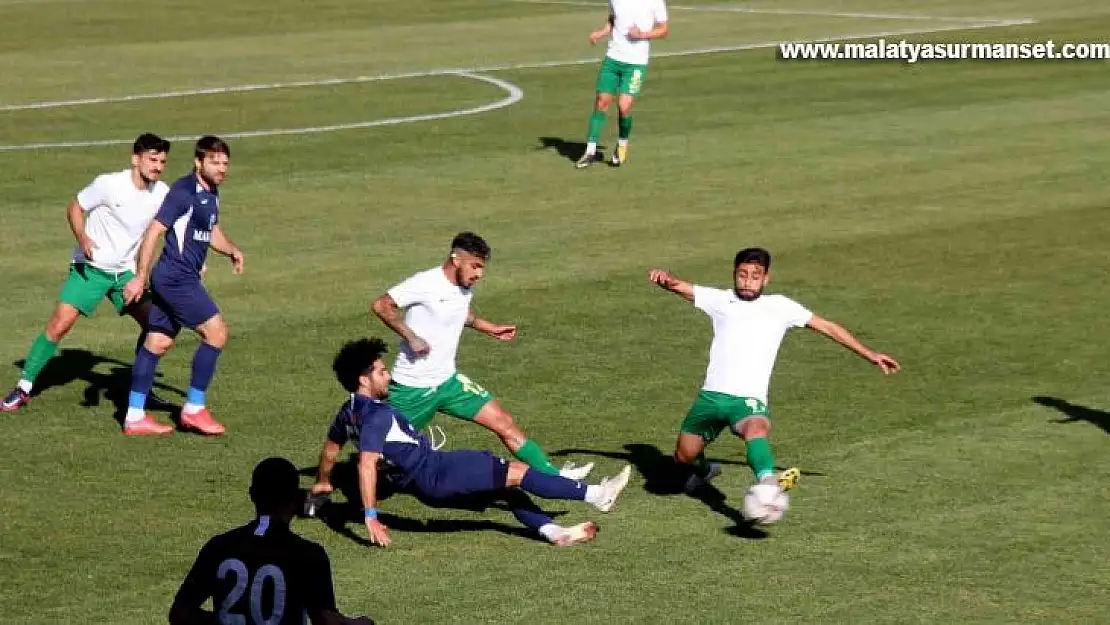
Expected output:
(663, 477)
(342, 516)
(1074, 412)
(570, 150)
(73, 365)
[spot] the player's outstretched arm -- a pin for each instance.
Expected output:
(499, 332)
(222, 244)
(670, 283)
(841, 335)
(390, 313)
(368, 489)
(328, 455)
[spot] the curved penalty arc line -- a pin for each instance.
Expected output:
(513, 94)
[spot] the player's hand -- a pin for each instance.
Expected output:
(886, 363)
(87, 246)
(133, 290)
(596, 36)
(636, 34)
(321, 488)
(660, 277)
(239, 262)
(379, 534)
(419, 346)
(503, 333)
(203, 270)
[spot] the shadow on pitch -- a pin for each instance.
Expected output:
(662, 477)
(1074, 412)
(570, 150)
(346, 518)
(79, 365)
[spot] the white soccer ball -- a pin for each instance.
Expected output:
(765, 503)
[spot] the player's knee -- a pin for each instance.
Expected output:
(515, 474)
(603, 102)
(625, 107)
(157, 343)
(215, 333)
(754, 427)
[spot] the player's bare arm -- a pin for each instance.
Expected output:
(659, 30)
(841, 335)
(144, 260)
(331, 617)
(75, 215)
(602, 32)
(368, 489)
(670, 283)
(222, 244)
(328, 455)
(500, 332)
(390, 313)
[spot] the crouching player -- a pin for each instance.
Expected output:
(382, 433)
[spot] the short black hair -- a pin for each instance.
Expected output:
(355, 359)
(753, 255)
(209, 144)
(275, 483)
(150, 142)
(471, 244)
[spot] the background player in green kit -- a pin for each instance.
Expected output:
(748, 328)
(631, 26)
(108, 218)
(429, 311)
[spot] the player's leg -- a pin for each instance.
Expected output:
(750, 420)
(462, 398)
(140, 312)
(605, 88)
(531, 516)
(80, 295)
(632, 81)
(162, 330)
(214, 334)
(700, 427)
(602, 496)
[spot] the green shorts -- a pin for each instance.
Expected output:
(712, 412)
(617, 77)
(86, 286)
(458, 397)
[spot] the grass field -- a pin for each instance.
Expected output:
(951, 213)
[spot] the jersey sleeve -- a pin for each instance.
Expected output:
(337, 433)
(409, 292)
(197, 587)
(794, 314)
(372, 434)
(707, 299)
(96, 194)
(660, 12)
(319, 592)
(173, 208)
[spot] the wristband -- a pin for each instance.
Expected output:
(371, 513)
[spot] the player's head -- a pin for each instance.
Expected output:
(469, 255)
(148, 156)
(751, 272)
(275, 488)
(210, 159)
(360, 368)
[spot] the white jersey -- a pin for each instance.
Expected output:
(116, 216)
(436, 310)
(746, 339)
(628, 13)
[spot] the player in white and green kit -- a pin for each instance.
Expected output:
(748, 328)
(631, 26)
(429, 311)
(108, 218)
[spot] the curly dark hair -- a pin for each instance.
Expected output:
(355, 359)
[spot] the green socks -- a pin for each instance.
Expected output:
(42, 350)
(760, 458)
(597, 122)
(624, 127)
(531, 455)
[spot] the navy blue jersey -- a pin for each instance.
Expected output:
(377, 427)
(189, 214)
(260, 572)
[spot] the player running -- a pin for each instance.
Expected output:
(748, 328)
(436, 305)
(631, 26)
(189, 219)
(262, 572)
(108, 218)
(382, 433)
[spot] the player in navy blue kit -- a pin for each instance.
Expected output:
(381, 433)
(189, 219)
(262, 572)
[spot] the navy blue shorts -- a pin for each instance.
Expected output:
(451, 474)
(175, 306)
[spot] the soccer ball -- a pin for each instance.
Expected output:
(765, 503)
